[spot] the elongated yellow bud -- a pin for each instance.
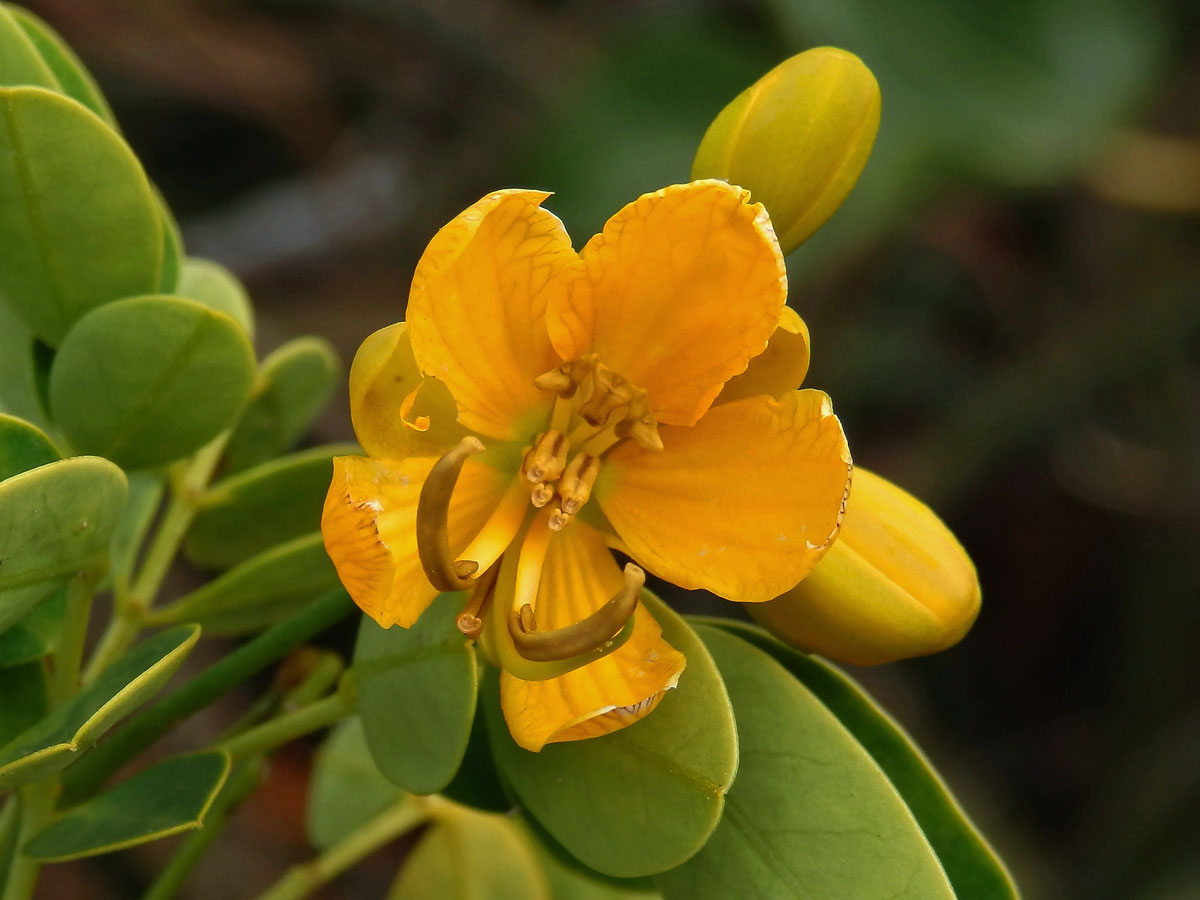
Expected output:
(896, 583)
(797, 139)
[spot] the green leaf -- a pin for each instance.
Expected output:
(55, 521)
(971, 865)
(54, 743)
(471, 854)
(23, 446)
(642, 799)
(73, 78)
(37, 634)
(258, 592)
(25, 701)
(145, 494)
(147, 380)
(172, 267)
(416, 695)
(252, 511)
(294, 384)
(165, 799)
(18, 385)
(79, 224)
(477, 783)
(811, 815)
(347, 789)
(568, 882)
(20, 61)
(215, 286)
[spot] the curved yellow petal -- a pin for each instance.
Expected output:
(896, 583)
(743, 504)
(477, 309)
(682, 288)
(369, 526)
(798, 138)
(396, 412)
(579, 577)
(780, 368)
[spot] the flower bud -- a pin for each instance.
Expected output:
(797, 139)
(896, 583)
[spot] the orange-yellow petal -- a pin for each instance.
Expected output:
(477, 308)
(580, 575)
(396, 412)
(743, 504)
(777, 370)
(369, 525)
(682, 288)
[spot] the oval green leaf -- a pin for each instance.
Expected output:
(23, 446)
(258, 592)
(971, 865)
(416, 695)
(642, 799)
(477, 783)
(215, 286)
(54, 743)
(147, 380)
(483, 856)
(18, 385)
(172, 266)
(37, 634)
(347, 789)
(20, 61)
(79, 223)
(569, 882)
(811, 816)
(73, 79)
(252, 511)
(165, 799)
(55, 521)
(294, 384)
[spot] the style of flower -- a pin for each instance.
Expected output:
(541, 407)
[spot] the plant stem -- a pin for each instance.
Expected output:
(300, 881)
(85, 777)
(130, 604)
(242, 782)
(37, 806)
(289, 726)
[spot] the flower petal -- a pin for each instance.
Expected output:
(369, 525)
(580, 575)
(743, 504)
(384, 380)
(683, 287)
(476, 311)
(777, 370)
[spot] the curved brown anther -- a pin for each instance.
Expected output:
(577, 480)
(587, 634)
(547, 458)
(470, 620)
(433, 510)
(565, 379)
(541, 494)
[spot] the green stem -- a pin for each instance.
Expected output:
(289, 726)
(241, 784)
(68, 655)
(131, 604)
(37, 807)
(300, 881)
(85, 777)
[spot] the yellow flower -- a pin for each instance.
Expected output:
(541, 406)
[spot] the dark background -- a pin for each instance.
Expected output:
(1006, 313)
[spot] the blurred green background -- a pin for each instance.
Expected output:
(1006, 313)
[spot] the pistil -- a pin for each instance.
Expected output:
(433, 510)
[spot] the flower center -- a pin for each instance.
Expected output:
(595, 410)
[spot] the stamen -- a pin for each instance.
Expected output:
(470, 620)
(558, 520)
(541, 494)
(501, 525)
(547, 459)
(433, 510)
(565, 379)
(611, 392)
(640, 423)
(577, 481)
(588, 634)
(531, 557)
